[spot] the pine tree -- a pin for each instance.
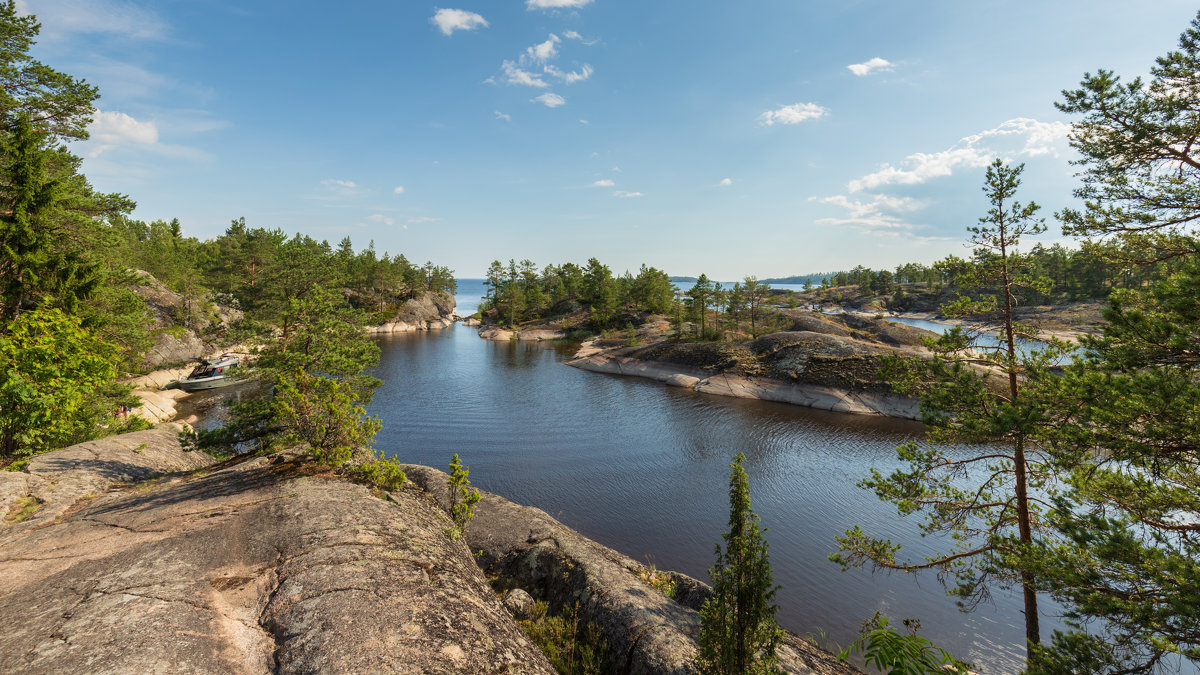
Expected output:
(975, 395)
(738, 631)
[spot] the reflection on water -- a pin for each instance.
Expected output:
(643, 468)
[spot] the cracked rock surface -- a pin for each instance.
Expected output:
(137, 562)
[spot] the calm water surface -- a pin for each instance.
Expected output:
(643, 468)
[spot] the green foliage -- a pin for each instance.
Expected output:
(1126, 435)
(463, 497)
(56, 101)
(1141, 177)
(1126, 414)
(896, 653)
(517, 292)
(51, 368)
(572, 645)
(660, 580)
(325, 413)
(383, 473)
(317, 390)
(738, 631)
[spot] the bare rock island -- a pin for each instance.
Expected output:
(430, 311)
(825, 362)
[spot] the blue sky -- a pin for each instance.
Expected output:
(769, 137)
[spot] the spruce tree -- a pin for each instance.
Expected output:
(738, 631)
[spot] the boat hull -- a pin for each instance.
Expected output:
(203, 383)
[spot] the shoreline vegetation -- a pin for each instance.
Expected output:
(823, 357)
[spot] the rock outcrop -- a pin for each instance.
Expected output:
(499, 334)
(430, 311)
(174, 343)
(646, 632)
(128, 554)
(830, 367)
(264, 565)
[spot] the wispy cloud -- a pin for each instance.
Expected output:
(516, 75)
(883, 214)
(61, 19)
(1015, 138)
(725, 182)
(423, 219)
(380, 218)
(623, 193)
(503, 116)
(450, 20)
(865, 68)
(337, 188)
(570, 77)
(532, 67)
(875, 213)
(556, 4)
(792, 114)
(550, 100)
(398, 190)
(603, 183)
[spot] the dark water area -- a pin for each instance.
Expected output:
(643, 468)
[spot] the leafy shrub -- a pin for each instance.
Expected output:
(899, 654)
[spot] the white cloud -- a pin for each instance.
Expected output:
(398, 190)
(1020, 137)
(792, 114)
(584, 122)
(541, 52)
(571, 77)
(516, 75)
(380, 218)
(603, 183)
(110, 130)
(550, 100)
(450, 20)
(503, 116)
(334, 182)
(423, 219)
(113, 131)
(725, 182)
(865, 68)
(872, 214)
(617, 169)
(572, 35)
(555, 4)
(62, 18)
(622, 193)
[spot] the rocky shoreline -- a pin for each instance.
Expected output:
(130, 554)
(739, 386)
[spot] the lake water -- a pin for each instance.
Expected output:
(643, 468)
